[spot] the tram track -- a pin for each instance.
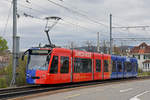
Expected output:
(10, 93)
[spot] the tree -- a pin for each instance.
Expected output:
(3, 45)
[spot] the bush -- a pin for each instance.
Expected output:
(21, 71)
(3, 83)
(140, 70)
(148, 73)
(7, 72)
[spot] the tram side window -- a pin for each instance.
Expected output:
(77, 65)
(119, 65)
(82, 65)
(98, 65)
(54, 65)
(105, 65)
(87, 65)
(114, 66)
(64, 64)
(125, 66)
(134, 67)
(128, 66)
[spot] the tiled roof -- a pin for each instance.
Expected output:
(141, 49)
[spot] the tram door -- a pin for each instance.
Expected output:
(54, 75)
(98, 75)
(120, 69)
(106, 66)
(114, 73)
(65, 68)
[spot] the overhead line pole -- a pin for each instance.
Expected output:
(110, 33)
(98, 44)
(14, 61)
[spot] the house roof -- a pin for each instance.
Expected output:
(146, 61)
(141, 49)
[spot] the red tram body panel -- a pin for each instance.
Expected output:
(81, 76)
(59, 77)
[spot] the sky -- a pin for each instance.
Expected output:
(80, 21)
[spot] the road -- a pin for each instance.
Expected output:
(134, 90)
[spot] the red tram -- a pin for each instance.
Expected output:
(60, 65)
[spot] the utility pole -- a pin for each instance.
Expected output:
(14, 43)
(98, 44)
(110, 33)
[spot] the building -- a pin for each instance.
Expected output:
(4, 61)
(142, 53)
(4, 58)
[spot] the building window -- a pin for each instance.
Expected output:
(148, 56)
(98, 65)
(138, 56)
(144, 56)
(54, 65)
(145, 66)
(64, 64)
(142, 47)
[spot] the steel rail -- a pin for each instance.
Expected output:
(29, 90)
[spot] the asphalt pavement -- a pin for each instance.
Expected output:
(132, 90)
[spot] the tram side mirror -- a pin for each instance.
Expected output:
(22, 58)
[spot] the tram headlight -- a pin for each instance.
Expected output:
(43, 76)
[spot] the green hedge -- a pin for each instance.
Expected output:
(3, 83)
(7, 73)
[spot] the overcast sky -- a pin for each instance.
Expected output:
(81, 20)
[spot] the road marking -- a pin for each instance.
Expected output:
(71, 96)
(125, 90)
(136, 97)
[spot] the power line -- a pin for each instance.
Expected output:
(78, 25)
(42, 12)
(9, 13)
(127, 27)
(43, 7)
(132, 39)
(85, 13)
(22, 5)
(43, 19)
(78, 13)
(67, 9)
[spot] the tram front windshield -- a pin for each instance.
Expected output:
(38, 59)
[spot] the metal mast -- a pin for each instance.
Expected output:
(14, 62)
(110, 33)
(98, 46)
